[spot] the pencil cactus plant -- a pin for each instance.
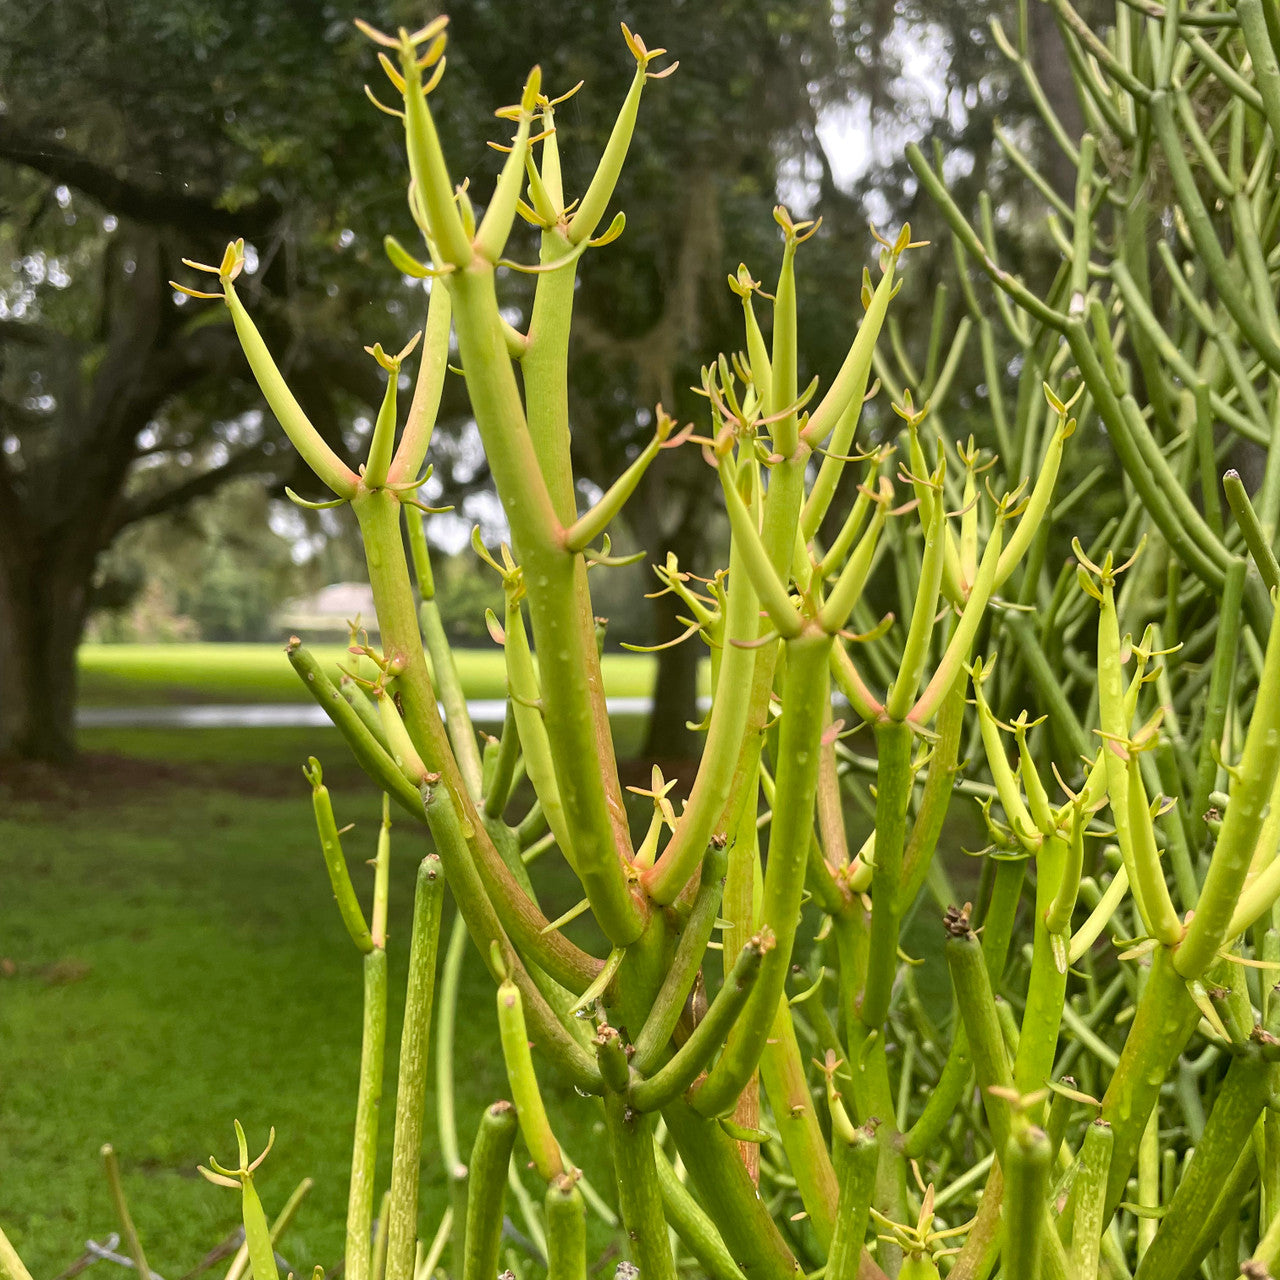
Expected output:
(1091, 1089)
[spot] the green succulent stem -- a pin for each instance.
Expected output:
(835, 421)
(1251, 528)
(691, 1224)
(856, 1163)
(566, 1218)
(362, 704)
(433, 365)
(1026, 1163)
(530, 1111)
(258, 1237)
(728, 726)
(446, 1110)
(591, 209)
(544, 367)
(1244, 1093)
(428, 169)
(894, 783)
(915, 651)
(490, 1157)
(411, 1087)
(1090, 1189)
(461, 839)
(689, 1060)
(1047, 985)
(372, 756)
(1253, 782)
(765, 577)
(977, 1005)
(336, 863)
(297, 426)
(526, 710)
(1133, 821)
(364, 1150)
(782, 1072)
(12, 1267)
(791, 831)
(639, 1192)
(591, 525)
(444, 669)
(730, 1198)
(563, 630)
(132, 1241)
(283, 1220)
(669, 1003)
(848, 587)
(1235, 292)
(1165, 1017)
(495, 227)
(935, 800)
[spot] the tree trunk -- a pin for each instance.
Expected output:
(43, 607)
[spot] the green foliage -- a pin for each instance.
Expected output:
(738, 1091)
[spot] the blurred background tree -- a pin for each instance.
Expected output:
(133, 135)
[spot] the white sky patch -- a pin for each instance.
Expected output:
(451, 530)
(287, 522)
(856, 144)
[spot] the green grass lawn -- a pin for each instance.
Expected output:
(150, 674)
(171, 958)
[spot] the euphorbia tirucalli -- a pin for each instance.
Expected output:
(800, 1104)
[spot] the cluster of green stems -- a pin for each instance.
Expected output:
(800, 1105)
(723, 1077)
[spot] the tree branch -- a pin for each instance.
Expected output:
(145, 506)
(153, 206)
(29, 334)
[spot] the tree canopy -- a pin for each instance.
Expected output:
(134, 136)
